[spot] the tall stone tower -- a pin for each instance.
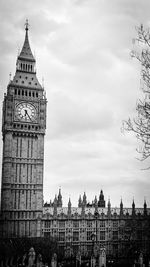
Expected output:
(23, 129)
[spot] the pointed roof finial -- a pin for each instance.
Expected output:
(10, 77)
(27, 25)
(26, 53)
(133, 202)
(43, 87)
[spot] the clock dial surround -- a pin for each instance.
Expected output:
(26, 112)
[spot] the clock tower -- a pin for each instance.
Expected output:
(23, 129)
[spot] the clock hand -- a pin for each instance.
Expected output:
(26, 113)
(29, 116)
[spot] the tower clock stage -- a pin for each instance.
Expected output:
(23, 129)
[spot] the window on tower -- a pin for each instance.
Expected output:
(102, 235)
(75, 236)
(102, 224)
(89, 235)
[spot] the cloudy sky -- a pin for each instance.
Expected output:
(82, 49)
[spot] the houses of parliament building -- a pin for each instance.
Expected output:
(23, 213)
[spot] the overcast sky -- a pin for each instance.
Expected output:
(82, 50)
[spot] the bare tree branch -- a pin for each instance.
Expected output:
(140, 125)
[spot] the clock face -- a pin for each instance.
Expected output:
(26, 112)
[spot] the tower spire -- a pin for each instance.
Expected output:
(25, 65)
(26, 53)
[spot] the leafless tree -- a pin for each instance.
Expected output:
(140, 125)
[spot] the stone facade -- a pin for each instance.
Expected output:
(23, 129)
(88, 228)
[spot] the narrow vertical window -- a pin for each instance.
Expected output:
(31, 147)
(21, 147)
(25, 228)
(16, 173)
(15, 200)
(19, 200)
(30, 197)
(28, 148)
(29, 229)
(30, 173)
(20, 173)
(27, 172)
(17, 148)
(26, 199)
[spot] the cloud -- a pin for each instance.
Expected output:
(70, 116)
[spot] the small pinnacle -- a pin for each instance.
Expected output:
(10, 76)
(26, 25)
(43, 87)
